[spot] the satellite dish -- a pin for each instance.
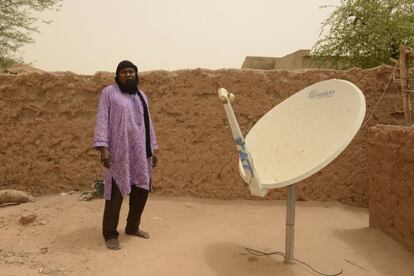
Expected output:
(297, 138)
(305, 132)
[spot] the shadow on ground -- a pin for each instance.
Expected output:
(233, 259)
(378, 249)
(85, 238)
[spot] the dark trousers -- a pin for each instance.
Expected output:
(137, 200)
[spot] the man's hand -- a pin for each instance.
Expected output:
(154, 160)
(106, 160)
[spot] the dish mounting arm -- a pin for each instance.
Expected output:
(251, 177)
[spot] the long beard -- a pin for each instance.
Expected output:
(129, 87)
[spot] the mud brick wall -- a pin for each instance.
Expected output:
(47, 121)
(391, 181)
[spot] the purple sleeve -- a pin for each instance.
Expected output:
(154, 144)
(100, 138)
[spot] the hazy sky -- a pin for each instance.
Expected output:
(94, 35)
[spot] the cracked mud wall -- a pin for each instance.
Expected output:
(47, 122)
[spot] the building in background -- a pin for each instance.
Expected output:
(300, 59)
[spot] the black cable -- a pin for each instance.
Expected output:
(261, 254)
(380, 98)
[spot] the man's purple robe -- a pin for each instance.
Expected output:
(120, 127)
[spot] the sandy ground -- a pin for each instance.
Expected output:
(196, 237)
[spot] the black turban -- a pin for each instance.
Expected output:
(126, 64)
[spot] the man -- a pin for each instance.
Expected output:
(125, 137)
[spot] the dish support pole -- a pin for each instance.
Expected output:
(290, 223)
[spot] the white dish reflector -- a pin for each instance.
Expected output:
(304, 133)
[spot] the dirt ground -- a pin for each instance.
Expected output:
(195, 237)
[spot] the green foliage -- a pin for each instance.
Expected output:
(17, 24)
(365, 33)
